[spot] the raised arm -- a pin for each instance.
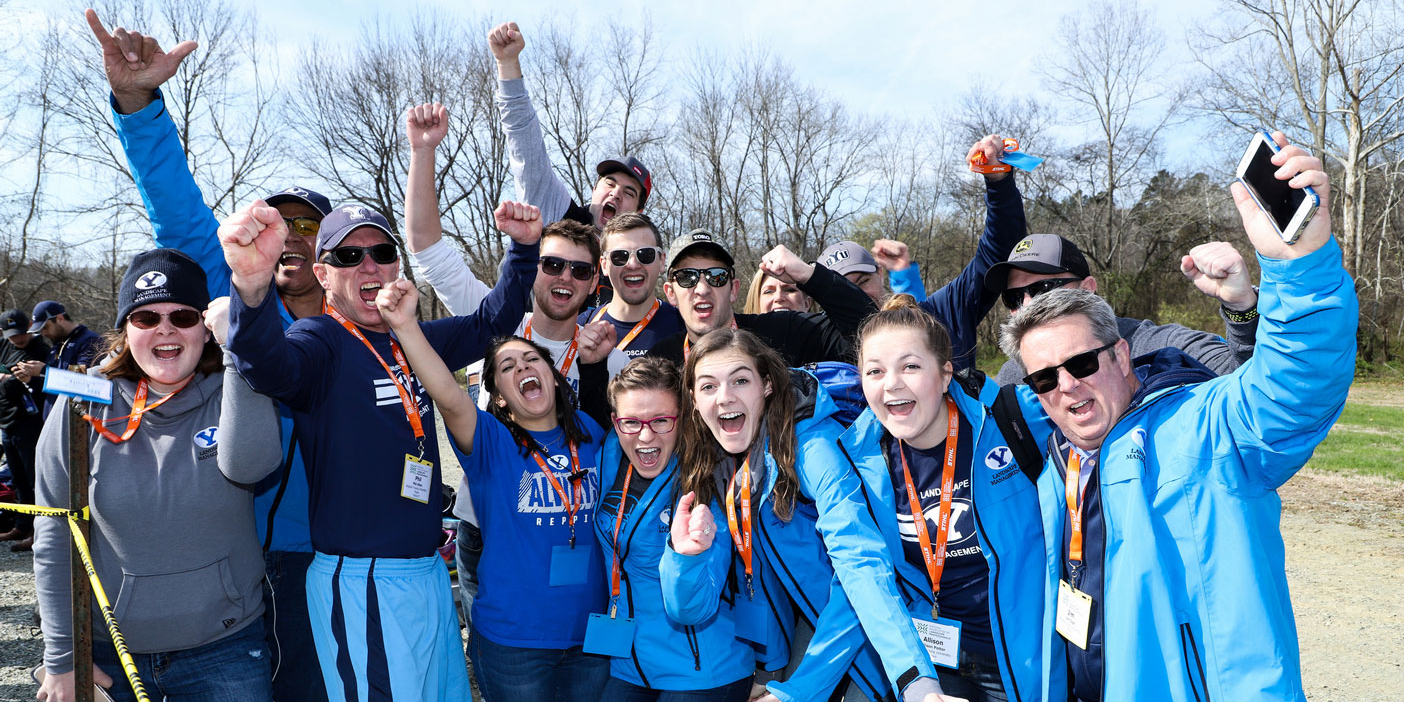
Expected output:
(398, 302)
(903, 274)
(537, 183)
(695, 564)
(1218, 270)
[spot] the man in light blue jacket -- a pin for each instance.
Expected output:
(1165, 567)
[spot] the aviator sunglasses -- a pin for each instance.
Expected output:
(1079, 366)
(1014, 297)
(180, 319)
(351, 256)
(303, 226)
(645, 256)
(554, 266)
(716, 276)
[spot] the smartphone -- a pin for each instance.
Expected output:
(1289, 209)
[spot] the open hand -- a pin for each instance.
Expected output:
(520, 221)
(693, 527)
(135, 64)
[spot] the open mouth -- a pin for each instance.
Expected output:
(648, 457)
(900, 408)
(634, 281)
(292, 261)
(703, 310)
(561, 295)
(607, 212)
(368, 293)
(530, 387)
(732, 422)
(166, 352)
(1081, 410)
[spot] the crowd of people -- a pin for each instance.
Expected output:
(818, 498)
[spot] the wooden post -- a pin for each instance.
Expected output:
(82, 590)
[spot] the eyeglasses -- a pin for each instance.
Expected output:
(645, 255)
(1014, 297)
(351, 256)
(180, 319)
(716, 276)
(1079, 366)
(554, 266)
(303, 226)
(662, 424)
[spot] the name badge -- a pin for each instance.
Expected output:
(570, 566)
(609, 637)
(419, 475)
(941, 639)
(1074, 614)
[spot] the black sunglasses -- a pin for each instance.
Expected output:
(351, 256)
(716, 276)
(1014, 297)
(645, 256)
(1079, 366)
(180, 319)
(554, 266)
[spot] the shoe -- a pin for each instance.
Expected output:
(14, 534)
(23, 546)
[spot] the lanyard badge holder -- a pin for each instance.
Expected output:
(941, 637)
(1074, 612)
(610, 635)
(1012, 158)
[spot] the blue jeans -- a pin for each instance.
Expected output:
(976, 678)
(468, 551)
(296, 672)
(617, 690)
(512, 674)
(235, 668)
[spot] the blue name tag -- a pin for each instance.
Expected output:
(609, 637)
(570, 566)
(754, 621)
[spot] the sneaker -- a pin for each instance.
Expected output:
(23, 546)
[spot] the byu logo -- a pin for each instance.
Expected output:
(835, 257)
(1138, 437)
(205, 438)
(1023, 246)
(151, 279)
(559, 462)
(998, 457)
(356, 212)
(296, 191)
(666, 516)
(956, 532)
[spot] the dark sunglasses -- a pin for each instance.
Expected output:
(1014, 297)
(303, 226)
(351, 256)
(1079, 366)
(554, 266)
(180, 319)
(662, 424)
(645, 255)
(716, 276)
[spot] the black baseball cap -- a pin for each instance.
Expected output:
(631, 166)
(1038, 253)
(14, 323)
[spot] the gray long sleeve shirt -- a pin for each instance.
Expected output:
(173, 538)
(537, 183)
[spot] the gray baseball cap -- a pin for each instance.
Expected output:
(848, 257)
(698, 241)
(1038, 253)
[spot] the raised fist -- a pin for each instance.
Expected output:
(217, 319)
(892, 255)
(519, 220)
(693, 527)
(135, 64)
(506, 41)
(252, 239)
(398, 302)
(595, 340)
(426, 125)
(991, 148)
(1218, 270)
(783, 265)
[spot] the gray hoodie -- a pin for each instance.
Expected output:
(173, 537)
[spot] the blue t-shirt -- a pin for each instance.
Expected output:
(965, 581)
(523, 521)
(665, 323)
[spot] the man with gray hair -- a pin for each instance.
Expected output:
(1160, 511)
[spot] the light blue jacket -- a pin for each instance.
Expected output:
(1195, 590)
(836, 581)
(181, 220)
(666, 655)
(1005, 511)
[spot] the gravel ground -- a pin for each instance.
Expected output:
(1345, 556)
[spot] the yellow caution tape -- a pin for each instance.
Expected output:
(42, 511)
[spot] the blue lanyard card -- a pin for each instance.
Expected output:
(570, 566)
(609, 637)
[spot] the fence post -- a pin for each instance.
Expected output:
(82, 590)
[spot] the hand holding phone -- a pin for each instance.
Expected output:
(1288, 208)
(1281, 195)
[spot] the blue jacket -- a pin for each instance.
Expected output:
(1005, 509)
(835, 582)
(908, 280)
(666, 655)
(181, 220)
(1194, 583)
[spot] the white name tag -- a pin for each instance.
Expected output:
(79, 385)
(941, 639)
(419, 474)
(1074, 614)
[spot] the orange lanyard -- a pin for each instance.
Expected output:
(139, 408)
(687, 344)
(741, 535)
(1073, 495)
(614, 562)
(284, 303)
(642, 324)
(411, 409)
(935, 558)
(570, 352)
(571, 505)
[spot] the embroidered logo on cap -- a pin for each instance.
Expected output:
(356, 212)
(297, 191)
(151, 279)
(1023, 246)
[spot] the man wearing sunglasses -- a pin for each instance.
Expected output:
(633, 262)
(136, 67)
(1044, 262)
(1166, 571)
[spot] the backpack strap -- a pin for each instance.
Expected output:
(1010, 420)
(971, 380)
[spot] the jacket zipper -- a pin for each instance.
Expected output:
(1188, 646)
(996, 621)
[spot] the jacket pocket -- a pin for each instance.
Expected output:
(181, 609)
(1194, 665)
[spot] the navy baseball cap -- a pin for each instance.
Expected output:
(44, 312)
(301, 196)
(14, 323)
(1038, 253)
(346, 219)
(631, 166)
